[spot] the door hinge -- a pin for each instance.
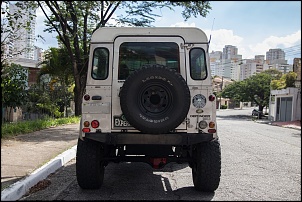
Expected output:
(188, 45)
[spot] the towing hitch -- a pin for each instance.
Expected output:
(158, 163)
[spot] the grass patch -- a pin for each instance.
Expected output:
(9, 130)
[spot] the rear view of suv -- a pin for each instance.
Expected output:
(149, 99)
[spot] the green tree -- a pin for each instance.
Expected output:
(287, 80)
(59, 68)
(14, 86)
(42, 101)
(75, 21)
(255, 89)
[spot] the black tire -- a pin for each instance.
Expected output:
(155, 99)
(89, 165)
(206, 166)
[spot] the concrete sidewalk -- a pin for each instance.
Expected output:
(285, 124)
(24, 154)
(288, 124)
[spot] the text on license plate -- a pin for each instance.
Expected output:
(118, 122)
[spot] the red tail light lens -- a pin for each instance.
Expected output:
(95, 124)
(212, 130)
(211, 98)
(86, 130)
(86, 97)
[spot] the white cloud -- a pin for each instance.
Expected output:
(277, 42)
(222, 37)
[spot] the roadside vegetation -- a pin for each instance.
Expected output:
(257, 88)
(10, 130)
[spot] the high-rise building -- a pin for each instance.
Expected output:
(274, 56)
(230, 52)
(215, 60)
(23, 40)
(226, 63)
(250, 67)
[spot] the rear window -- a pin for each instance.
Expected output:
(198, 68)
(133, 55)
(100, 63)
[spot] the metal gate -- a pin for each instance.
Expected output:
(284, 109)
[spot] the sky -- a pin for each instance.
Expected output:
(253, 27)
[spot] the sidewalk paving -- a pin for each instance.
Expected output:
(25, 154)
(286, 124)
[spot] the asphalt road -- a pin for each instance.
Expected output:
(259, 162)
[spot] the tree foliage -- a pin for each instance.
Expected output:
(253, 89)
(58, 68)
(287, 80)
(45, 101)
(14, 86)
(75, 21)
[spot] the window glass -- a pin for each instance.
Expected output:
(100, 63)
(133, 55)
(198, 67)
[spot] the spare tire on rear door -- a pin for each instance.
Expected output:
(155, 99)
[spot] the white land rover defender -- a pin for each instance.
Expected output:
(149, 99)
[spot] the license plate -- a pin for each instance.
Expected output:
(120, 122)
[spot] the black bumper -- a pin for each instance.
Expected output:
(150, 139)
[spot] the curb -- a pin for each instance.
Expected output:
(20, 188)
(283, 126)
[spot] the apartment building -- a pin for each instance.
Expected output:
(273, 56)
(215, 61)
(250, 67)
(23, 40)
(226, 63)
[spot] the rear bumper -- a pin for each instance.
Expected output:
(150, 139)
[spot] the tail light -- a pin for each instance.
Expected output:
(86, 97)
(86, 124)
(211, 124)
(212, 127)
(212, 130)
(95, 124)
(86, 130)
(211, 98)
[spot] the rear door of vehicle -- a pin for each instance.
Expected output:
(131, 53)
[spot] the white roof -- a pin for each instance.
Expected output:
(189, 34)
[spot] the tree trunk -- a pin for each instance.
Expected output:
(80, 84)
(260, 114)
(78, 102)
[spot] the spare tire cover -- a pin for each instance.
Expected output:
(155, 99)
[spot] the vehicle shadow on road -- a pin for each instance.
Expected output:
(237, 117)
(124, 181)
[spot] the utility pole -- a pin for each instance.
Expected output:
(221, 85)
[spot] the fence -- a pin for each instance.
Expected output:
(21, 114)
